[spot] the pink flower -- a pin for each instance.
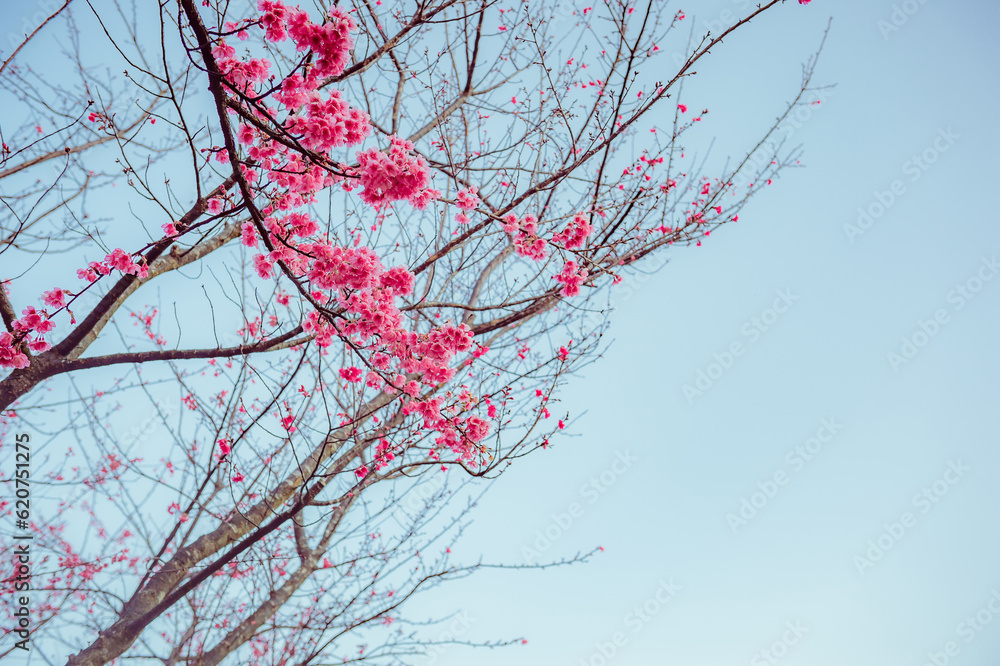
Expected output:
(55, 298)
(301, 224)
(328, 123)
(248, 234)
(468, 199)
(424, 197)
(574, 235)
(33, 320)
(273, 16)
(682, 107)
(393, 176)
(476, 429)
(398, 280)
(329, 42)
(245, 134)
(351, 374)
(373, 380)
(535, 249)
(530, 224)
(121, 260)
(572, 278)
(320, 328)
(10, 357)
(224, 447)
(264, 266)
(510, 224)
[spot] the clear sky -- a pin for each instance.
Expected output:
(795, 583)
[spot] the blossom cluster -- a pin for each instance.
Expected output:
(523, 235)
(572, 277)
(28, 330)
(575, 234)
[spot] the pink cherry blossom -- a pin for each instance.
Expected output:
(476, 429)
(55, 298)
(351, 374)
(272, 19)
(575, 234)
(33, 320)
(248, 234)
(398, 280)
(264, 266)
(10, 356)
(467, 199)
(329, 42)
(391, 176)
(571, 277)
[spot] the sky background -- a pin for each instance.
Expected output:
(674, 469)
(664, 517)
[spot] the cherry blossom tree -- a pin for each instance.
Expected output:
(330, 264)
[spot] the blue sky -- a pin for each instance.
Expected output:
(788, 586)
